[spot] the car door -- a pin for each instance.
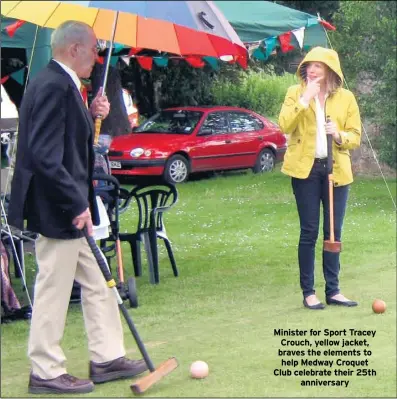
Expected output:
(245, 138)
(210, 149)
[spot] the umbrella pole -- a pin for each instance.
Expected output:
(98, 118)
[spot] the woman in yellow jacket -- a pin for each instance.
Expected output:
(303, 118)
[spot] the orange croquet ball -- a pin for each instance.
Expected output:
(379, 306)
(199, 369)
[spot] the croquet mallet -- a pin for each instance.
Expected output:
(156, 374)
(331, 245)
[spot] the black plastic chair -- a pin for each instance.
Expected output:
(152, 201)
(115, 200)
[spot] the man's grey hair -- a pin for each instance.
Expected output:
(69, 32)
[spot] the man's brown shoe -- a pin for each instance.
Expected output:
(116, 369)
(65, 383)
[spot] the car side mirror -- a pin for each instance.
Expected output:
(205, 132)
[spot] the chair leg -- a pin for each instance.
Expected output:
(171, 256)
(135, 246)
(148, 249)
(155, 256)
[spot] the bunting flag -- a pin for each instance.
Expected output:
(161, 61)
(113, 60)
(270, 43)
(134, 50)
(251, 47)
(195, 61)
(212, 62)
(12, 28)
(299, 35)
(259, 54)
(326, 24)
(145, 62)
(19, 76)
(126, 59)
(285, 42)
(3, 80)
(117, 47)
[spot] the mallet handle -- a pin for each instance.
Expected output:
(98, 257)
(137, 338)
(120, 261)
(330, 159)
(111, 283)
(331, 208)
(330, 185)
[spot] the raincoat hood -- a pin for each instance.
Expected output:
(324, 55)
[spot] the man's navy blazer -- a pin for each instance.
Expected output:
(52, 181)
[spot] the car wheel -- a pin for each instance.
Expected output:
(265, 161)
(176, 169)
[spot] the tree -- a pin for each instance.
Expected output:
(177, 84)
(366, 42)
(325, 8)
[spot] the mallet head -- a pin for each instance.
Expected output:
(332, 246)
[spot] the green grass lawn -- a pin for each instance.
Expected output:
(235, 241)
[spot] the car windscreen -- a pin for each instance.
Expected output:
(171, 122)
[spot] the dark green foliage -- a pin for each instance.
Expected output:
(178, 84)
(257, 90)
(325, 8)
(366, 41)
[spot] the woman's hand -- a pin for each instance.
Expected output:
(312, 89)
(330, 128)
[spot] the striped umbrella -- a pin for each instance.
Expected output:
(188, 28)
(178, 27)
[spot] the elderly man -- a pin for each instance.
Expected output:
(52, 188)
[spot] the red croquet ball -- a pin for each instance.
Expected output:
(379, 306)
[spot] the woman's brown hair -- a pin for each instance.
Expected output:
(334, 82)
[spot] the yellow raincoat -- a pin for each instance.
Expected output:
(301, 126)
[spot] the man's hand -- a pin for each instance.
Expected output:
(312, 89)
(330, 128)
(84, 219)
(100, 105)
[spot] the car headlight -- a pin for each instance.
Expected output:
(137, 152)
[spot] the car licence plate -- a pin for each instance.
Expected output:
(115, 165)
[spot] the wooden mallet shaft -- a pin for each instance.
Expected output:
(166, 367)
(331, 245)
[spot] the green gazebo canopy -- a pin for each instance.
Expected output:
(257, 20)
(24, 38)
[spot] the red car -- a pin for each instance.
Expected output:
(179, 141)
